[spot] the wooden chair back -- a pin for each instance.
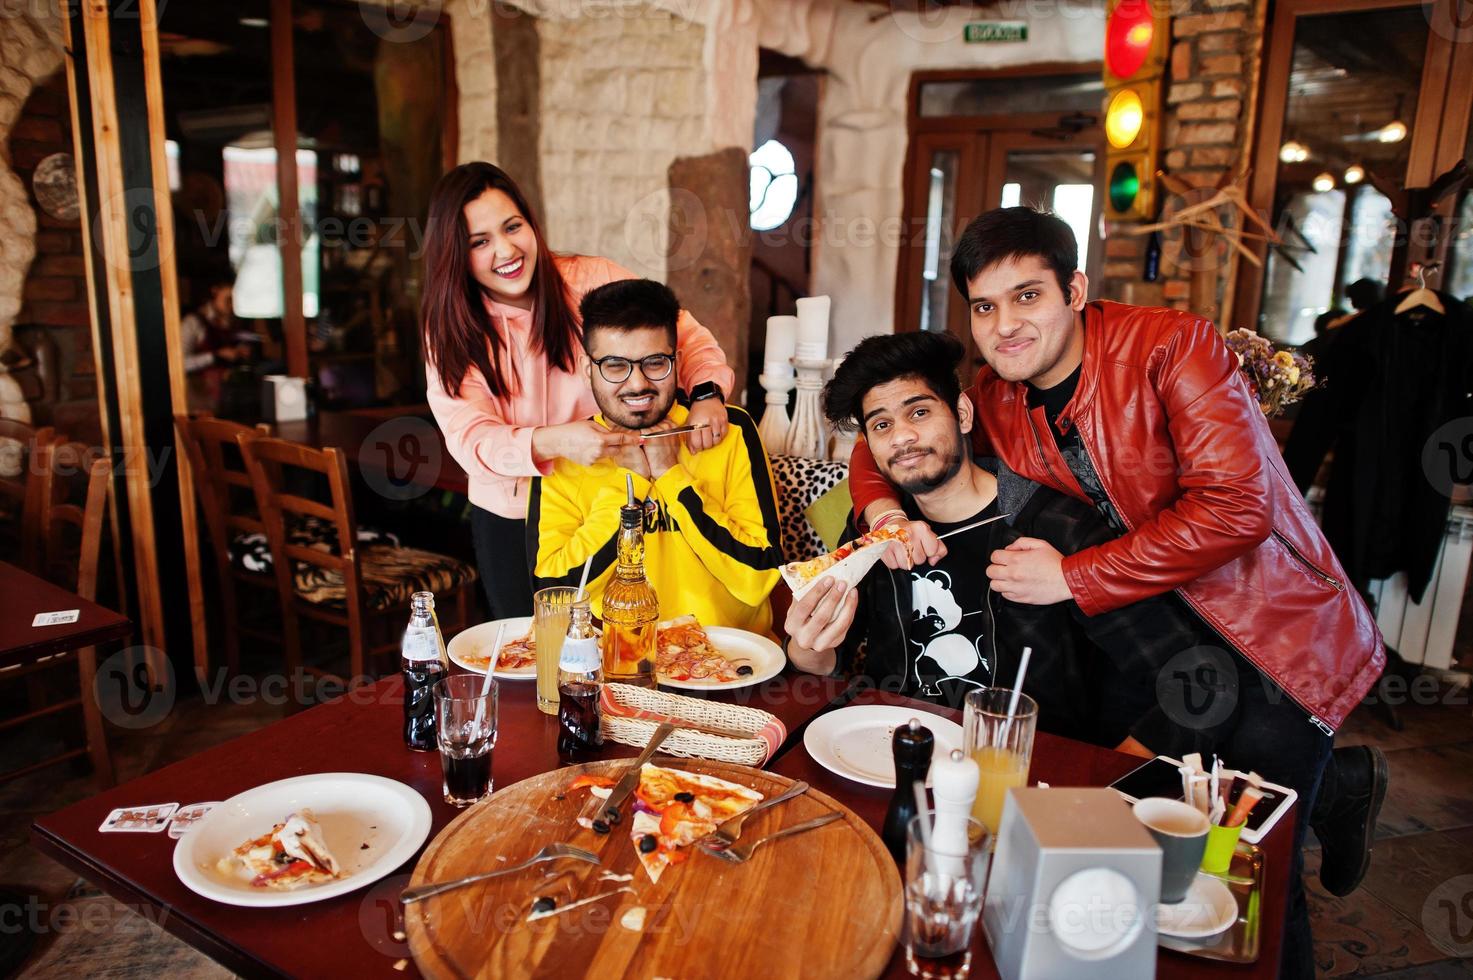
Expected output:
(74, 482)
(221, 480)
(20, 445)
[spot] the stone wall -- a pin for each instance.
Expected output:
(1206, 133)
(30, 51)
(623, 95)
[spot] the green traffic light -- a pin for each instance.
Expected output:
(1125, 184)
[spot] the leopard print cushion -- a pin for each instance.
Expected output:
(800, 481)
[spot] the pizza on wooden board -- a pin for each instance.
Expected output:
(672, 810)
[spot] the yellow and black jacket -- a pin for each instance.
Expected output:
(710, 528)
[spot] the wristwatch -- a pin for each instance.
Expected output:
(704, 390)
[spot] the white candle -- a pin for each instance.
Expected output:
(782, 344)
(813, 327)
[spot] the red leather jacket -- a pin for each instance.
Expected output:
(1186, 457)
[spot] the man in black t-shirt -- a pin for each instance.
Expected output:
(937, 631)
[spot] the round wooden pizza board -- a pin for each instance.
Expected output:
(825, 903)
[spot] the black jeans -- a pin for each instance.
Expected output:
(501, 558)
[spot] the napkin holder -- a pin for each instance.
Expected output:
(283, 398)
(1074, 886)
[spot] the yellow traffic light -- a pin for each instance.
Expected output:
(1135, 57)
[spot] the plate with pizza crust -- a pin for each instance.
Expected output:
(470, 649)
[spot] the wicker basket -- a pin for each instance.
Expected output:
(630, 716)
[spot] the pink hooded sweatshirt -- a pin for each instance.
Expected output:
(491, 438)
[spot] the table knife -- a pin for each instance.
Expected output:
(630, 779)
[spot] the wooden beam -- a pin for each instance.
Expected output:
(289, 217)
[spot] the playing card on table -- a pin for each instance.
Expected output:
(150, 818)
(187, 816)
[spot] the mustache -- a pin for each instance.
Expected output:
(894, 458)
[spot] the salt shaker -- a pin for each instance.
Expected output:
(912, 744)
(954, 780)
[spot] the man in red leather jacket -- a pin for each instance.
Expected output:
(1143, 412)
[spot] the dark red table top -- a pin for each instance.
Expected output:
(354, 934)
(26, 595)
(1060, 762)
(370, 443)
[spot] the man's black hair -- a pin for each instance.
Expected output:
(630, 304)
(930, 357)
(1005, 234)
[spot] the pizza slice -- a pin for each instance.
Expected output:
(806, 571)
(518, 654)
(685, 653)
(674, 809)
(292, 855)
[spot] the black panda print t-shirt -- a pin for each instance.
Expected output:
(951, 649)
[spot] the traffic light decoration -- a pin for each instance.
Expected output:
(1136, 38)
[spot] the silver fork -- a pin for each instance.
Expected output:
(741, 853)
(551, 852)
(727, 834)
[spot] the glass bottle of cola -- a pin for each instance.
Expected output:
(580, 674)
(423, 662)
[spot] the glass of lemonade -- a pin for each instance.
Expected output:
(1002, 748)
(552, 611)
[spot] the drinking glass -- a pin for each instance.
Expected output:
(465, 721)
(943, 898)
(1003, 749)
(552, 611)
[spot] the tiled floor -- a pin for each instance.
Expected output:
(1409, 921)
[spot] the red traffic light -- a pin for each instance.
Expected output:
(1128, 36)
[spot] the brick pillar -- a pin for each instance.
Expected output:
(1205, 131)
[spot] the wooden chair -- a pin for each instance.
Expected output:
(58, 464)
(338, 580)
(19, 507)
(232, 523)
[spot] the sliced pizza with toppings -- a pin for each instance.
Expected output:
(672, 810)
(685, 653)
(807, 571)
(291, 856)
(518, 654)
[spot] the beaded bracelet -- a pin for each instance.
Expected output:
(887, 517)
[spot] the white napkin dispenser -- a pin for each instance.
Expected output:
(1074, 886)
(283, 398)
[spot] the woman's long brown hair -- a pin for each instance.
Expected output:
(458, 332)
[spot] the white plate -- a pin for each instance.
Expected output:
(855, 741)
(476, 642)
(1208, 909)
(353, 808)
(765, 656)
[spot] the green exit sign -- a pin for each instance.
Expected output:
(988, 32)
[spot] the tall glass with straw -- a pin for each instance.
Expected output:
(998, 725)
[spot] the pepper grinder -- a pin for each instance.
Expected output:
(911, 744)
(954, 778)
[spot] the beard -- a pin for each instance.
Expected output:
(616, 412)
(944, 462)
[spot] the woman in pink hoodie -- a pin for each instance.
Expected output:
(504, 363)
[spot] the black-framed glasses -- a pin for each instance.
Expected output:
(616, 370)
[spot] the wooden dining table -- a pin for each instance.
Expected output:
(359, 934)
(27, 595)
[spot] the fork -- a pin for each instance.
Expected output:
(742, 853)
(551, 852)
(727, 834)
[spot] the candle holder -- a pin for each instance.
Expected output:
(810, 434)
(775, 425)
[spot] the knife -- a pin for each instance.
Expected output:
(630, 779)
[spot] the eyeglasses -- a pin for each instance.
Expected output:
(616, 370)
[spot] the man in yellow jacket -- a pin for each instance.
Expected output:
(711, 521)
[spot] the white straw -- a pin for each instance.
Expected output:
(490, 669)
(924, 813)
(583, 582)
(1018, 684)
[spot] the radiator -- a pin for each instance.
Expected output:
(1423, 632)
